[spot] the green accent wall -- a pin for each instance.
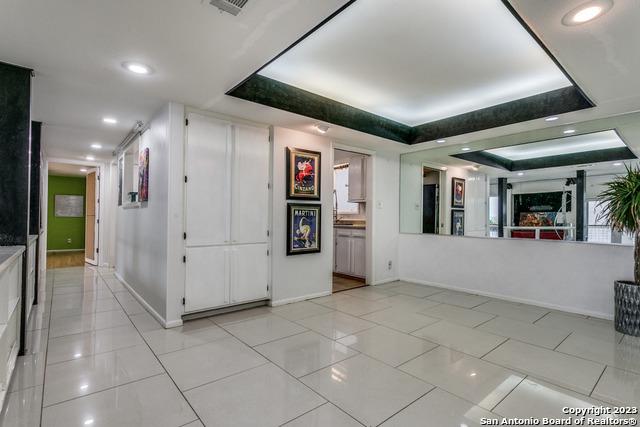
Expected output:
(60, 229)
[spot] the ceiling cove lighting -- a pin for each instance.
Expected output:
(551, 119)
(80, 355)
(587, 12)
(441, 141)
(569, 131)
(520, 173)
(90, 158)
(466, 148)
(617, 164)
(137, 68)
(96, 146)
(109, 120)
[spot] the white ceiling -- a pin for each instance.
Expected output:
(554, 147)
(66, 169)
(76, 49)
(419, 61)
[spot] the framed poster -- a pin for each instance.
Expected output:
(303, 228)
(457, 193)
(143, 176)
(69, 206)
(457, 222)
(303, 174)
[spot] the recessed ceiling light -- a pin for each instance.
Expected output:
(322, 128)
(551, 119)
(96, 146)
(78, 355)
(569, 131)
(587, 12)
(90, 158)
(110, 120)
(617, 164)
(137, 68)
(88, 422)
(520, 173)
(441, 141)
(466, 148)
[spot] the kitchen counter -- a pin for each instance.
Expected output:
(8, 254)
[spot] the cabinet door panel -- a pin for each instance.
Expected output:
(343, 253)
(207, 277)
(250, 272)
(357, 173)
(250, 195)
(207, 157)
(358, 248)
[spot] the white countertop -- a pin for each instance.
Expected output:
(8, 254)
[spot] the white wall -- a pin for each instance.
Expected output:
(301, 276)
(141, 233)
(575, 277)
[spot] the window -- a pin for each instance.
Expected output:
(341, 196)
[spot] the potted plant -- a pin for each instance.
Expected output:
(621, 210)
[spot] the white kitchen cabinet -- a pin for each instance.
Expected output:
(350, 252)
(226, 213)
(357, 179)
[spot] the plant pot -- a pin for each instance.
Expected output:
(627, 308)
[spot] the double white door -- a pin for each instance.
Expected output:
(227, 213)
(350, 253)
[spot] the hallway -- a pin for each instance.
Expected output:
(439, 358)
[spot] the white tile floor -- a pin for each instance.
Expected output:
(395, 355)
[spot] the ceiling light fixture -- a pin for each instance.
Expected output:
(441, 141)
(520, 173)
(322, 128)
(551, 119)
(137, 68)
(110, 120)
(78, 355)
(617, 164)
(90, 158)
(466, 149)
(96, 146)
(587, 12)
(569, 131)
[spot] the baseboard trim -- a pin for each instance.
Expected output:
(385, 281)
(512, 299)
(298, 299)
(166, 324)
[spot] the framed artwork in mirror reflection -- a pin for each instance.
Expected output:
(457, 222)
(457, 193)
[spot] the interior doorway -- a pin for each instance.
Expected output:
(351, 190)
(92, 203)
(430, 200)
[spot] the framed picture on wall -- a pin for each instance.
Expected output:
(457, 193)
(143, 175)
(457, 222)
(303, 174)
(303, 228)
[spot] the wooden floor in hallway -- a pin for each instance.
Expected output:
(65, 259)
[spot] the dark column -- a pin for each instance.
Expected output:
(502, 205)
(15, 124)
(581, 206)
(34, 199)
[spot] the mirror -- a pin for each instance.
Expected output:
(537, 185)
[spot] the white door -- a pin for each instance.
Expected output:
(207, 160)
(207, 277)
(249, 192)
(358, 255)
(249, 273)
(343, 252)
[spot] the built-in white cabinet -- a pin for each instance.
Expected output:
(357, 179)
(226, 213)
(10, 286)
(350, 252)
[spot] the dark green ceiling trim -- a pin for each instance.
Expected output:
(276, 94)
(533, 107)
(596, 156)
(285, 97)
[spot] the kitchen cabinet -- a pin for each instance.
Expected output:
(350, 252)
(357, 179)
(226, 225)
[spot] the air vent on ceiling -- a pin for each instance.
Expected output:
(231, 6)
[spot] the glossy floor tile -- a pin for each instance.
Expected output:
(461, 299)
(440, 409)
(336, 325)
(386, 345)
(595, 328)
(299, 310)
(304, 353)
(262, 397)
(558, 368)
(624, 355)
(87, 322)
(511, 310)
(205, 363)
(355, 306)
(473, 379)
(525, 332)
(471, 341)
(618, 387)
(455, 314)
(419, 291)
(325, 415)
(400, 319)
(367, 389)
(22, 408)
(263, 329)
(191, 334)
(370, 293)
(152, 402)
